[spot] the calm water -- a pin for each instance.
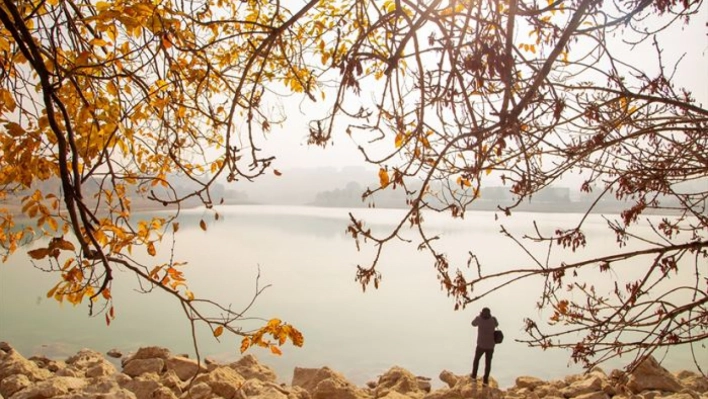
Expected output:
(310, 264)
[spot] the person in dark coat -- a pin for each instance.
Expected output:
(486, 324)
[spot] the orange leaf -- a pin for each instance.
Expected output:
(175, 227)
(275, 350)
(151, 248)
(383, 177)
(245, 344)
(277, 172)
(218, 331)
(202, 224)
(39, 253)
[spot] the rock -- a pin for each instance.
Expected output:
(170, 380)
(136, 367)
(449, 378)
(14, 383)
(255, 388)
(325, 383)
(593, 395)
(143, 386)
(199, 391)
(693, 381)
(5, 347)
(223, 381)
(249, 367)
(49, 388)
(394, 395)
(151, 352)
(163, 393)
(650, 375)
(398, 380)
(184, 368)
(101, 370)
(590, 384)
(114, 353)
(13, 363)
(529, 382)
(424, 384)
(548, 390)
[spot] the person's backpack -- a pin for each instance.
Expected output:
(498, 336)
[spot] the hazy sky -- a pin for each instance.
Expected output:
(289, 141)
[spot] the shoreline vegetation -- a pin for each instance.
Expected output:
(156, 373)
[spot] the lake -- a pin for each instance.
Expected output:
(304, 254)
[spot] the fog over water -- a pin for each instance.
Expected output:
(304, 254)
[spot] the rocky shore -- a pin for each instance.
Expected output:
(155, 373)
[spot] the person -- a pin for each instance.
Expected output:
(486, 324)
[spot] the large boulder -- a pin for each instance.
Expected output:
(249, 368)
(324, 383)
(14, 383)
(143, 386)
(650, 375)
(529, 382)
(183, 367)
(693, 381)
(136, 367)
(257, 389)
(582, 386)
(52, 387)
(223, 381)
(399, 380)
(11, 363)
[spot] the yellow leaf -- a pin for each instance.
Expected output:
(51, 292)
(383, 177)
(111, 88)
(218, 331)
(151, 248)
(275, 350)
(52, 223)
(273, 323)
(399, 140)
(190, 295)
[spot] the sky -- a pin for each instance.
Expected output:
(288, 141)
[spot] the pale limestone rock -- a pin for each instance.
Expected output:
(593, 395)
(56, 386)
(545, 391)
(424, 384)
(693, 381)
(151, 352)
(449, 378)
(199, 391)
(12, 363)
(87, 358)
(163, 393)
(680, 396)
(170, 380)
(529, 382)
(223, 381)
(136, 367)
(257, 389)
(249, 367)
(579, 387)
(14, 383)
(184, 368)
(337, 389)
(101, 369)
(394, 395)
(144, 385)
(650, 375)
(399, 380)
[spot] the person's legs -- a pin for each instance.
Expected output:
(475, 364)
(488, 353)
